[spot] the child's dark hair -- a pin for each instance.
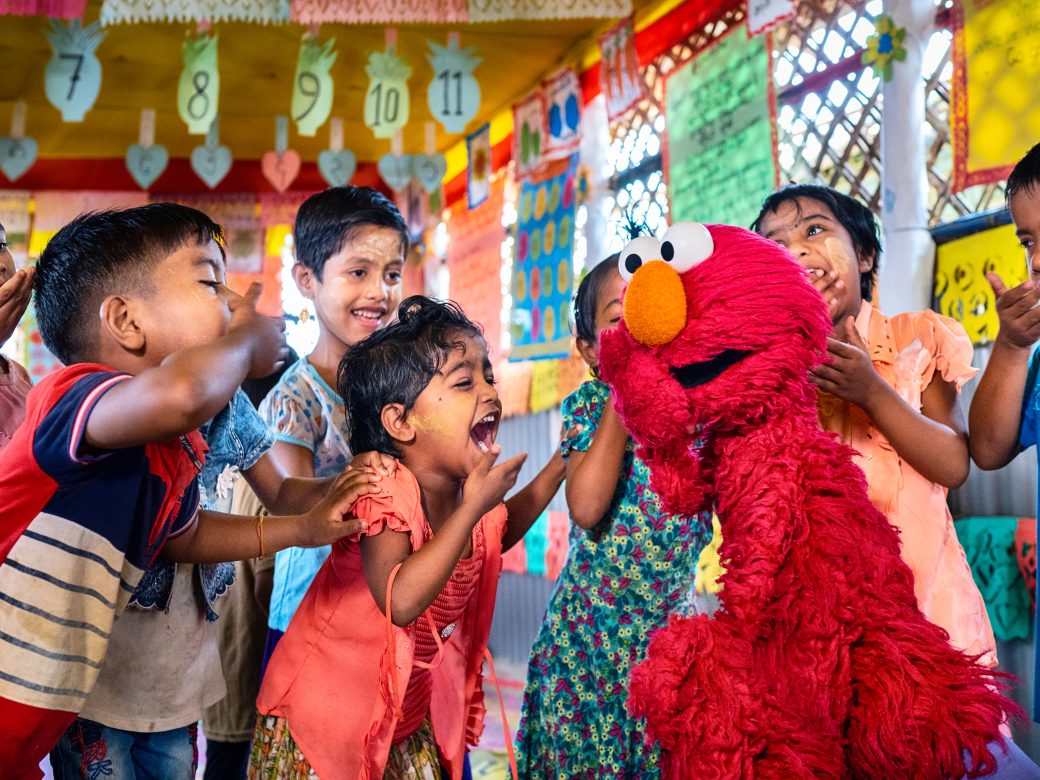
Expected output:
(1025, 176)
(856, 218)
(328, 220)
(104, 253)
(394, 365)
(587, 295)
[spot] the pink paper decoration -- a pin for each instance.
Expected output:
(58, 9)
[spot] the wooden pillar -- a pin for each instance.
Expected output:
(907, 261)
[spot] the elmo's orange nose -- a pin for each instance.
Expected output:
(655, 304)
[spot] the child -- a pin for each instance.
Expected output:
(379, 672)
(350, 248)
(102, 474)
(889, 390)
(629, 567)
(1005, 412)
(15, 290)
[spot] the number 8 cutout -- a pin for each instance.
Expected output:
(454, 94)
(198, 89)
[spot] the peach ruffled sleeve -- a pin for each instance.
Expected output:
(928, 342)
(396, 508)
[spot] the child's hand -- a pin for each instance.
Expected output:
(1019, 320)
(327, 521)
(827, 283)
(266, 334)
(849, 372)
(14, 299)
(375, 461)
(486, 486)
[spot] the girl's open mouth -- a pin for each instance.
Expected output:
(483, 433)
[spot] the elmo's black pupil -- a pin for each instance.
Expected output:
(632, 263)
(667, 251)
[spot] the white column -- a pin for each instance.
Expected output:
(595, 146)
(907, 261)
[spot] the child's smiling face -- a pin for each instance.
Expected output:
(360, 285)
(1025, 213)
(455, 418)
(821, 245)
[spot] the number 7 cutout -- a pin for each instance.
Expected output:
(454, 94)
(312, 85)
(198, 90)
(72, 80)
(386, 101)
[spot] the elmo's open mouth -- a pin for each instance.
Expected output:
(697, 374)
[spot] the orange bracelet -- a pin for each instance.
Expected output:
(260, 529)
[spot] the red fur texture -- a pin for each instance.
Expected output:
(818, 664)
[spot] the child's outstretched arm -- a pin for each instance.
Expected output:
(592, 476)
(424, 573)
(217, 537)
(191, 385)
(996, 410)
(529, 502)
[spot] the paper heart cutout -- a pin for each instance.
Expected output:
(211, 163)
(429, 169)
(395, 170)
(280, 168)
(337, 168)
(17, 155)
(146, 163)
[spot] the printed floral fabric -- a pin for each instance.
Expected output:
(237, 438)
(254, 11)
(276, 756)
(621, 581)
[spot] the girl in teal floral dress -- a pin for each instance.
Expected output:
(630, 566)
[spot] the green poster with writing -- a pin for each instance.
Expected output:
(721, 148)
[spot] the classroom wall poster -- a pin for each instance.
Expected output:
(478, 166)
(542, 265)
(720, 155)
(961, 289)
(15, 217)
(563, 114)
(994, 119)
(528, 134)
(620, 78)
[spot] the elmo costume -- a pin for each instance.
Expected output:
(818, 664)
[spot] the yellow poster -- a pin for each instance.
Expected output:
(995, 117)
(545, 385)
(961, 288)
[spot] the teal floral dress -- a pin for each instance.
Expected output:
(621, 581)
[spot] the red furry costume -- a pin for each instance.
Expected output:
(819, 664)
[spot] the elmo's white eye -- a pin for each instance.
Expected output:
(686, 244)
(636, 252)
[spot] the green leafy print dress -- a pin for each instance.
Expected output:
(621, 581)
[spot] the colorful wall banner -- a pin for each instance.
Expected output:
(721, 146)
(764, 15)
(994, 121)
(529, 133)
(59, 9)
(451, 11)
(961, 289)
(478, 168)
(134, 11)
(475, 264)
(621, 80)
(563, 114)
(542, 265)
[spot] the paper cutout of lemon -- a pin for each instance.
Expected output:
(536, 244)
(554, 197)
(563, 273)
(539, 204)
(547, 281)
(521, 286)
(536, 284)
(564, 233)
(549, 323)
(549, 239)
(525, 207)
(565, 313)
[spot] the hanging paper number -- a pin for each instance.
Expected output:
(453, 95)
(386, 102)
(312, 85)
(199, 87)
(73, 76)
